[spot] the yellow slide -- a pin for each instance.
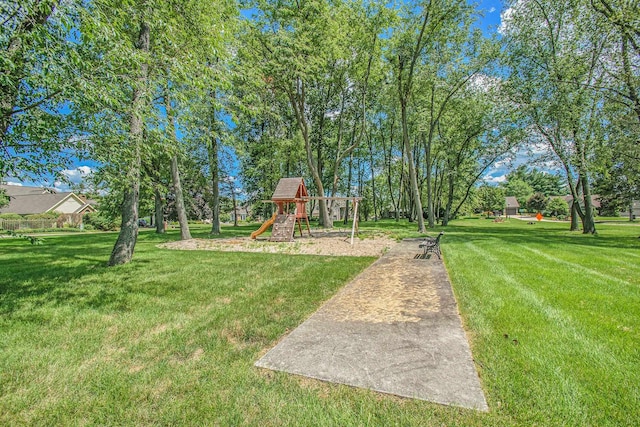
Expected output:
(264, 226)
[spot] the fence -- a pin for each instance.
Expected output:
(23, 224)
(71, 220)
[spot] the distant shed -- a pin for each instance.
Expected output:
(511, 205)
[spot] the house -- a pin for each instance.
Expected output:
(241, 212)
(36, 200)
(336, 209)
(511, 205)
(595, 202)
(633, 211)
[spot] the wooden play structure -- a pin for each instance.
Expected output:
(290, 193)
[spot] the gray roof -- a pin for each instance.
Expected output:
(512, 202)
(34, 200)
(289, 189)
(21, 190)
(595, 200)
(33, 203)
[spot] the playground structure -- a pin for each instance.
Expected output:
(292, 192)
(265, 225)
(289, 192)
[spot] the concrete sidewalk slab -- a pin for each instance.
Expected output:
(394, 329)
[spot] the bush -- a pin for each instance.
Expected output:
(99, 222)
(10, 216)
(557, 206)
(537, 202)
(45, 215)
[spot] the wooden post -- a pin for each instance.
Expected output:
(355, 218)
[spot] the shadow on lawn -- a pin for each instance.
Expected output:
(65, 270)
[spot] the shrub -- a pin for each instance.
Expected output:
(99, 222)
(557, 207)
(44, 215)
(10, 216)
(537, 202)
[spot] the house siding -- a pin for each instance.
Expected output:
(635, 210)
(69, 206)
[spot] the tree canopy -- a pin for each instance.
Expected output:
(407, 105)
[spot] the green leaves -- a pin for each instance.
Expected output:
(37, 78)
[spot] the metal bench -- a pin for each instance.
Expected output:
(431, 245)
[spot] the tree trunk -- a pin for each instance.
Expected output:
(212, 148)
(373, 180)
(429, 162)
(588, 223)
(123, 249)
(298, 104)
(322, 220)
(158, 210)
(575, 222)
(450, 193)
(415, 190)
(185, 234)
(387, 161)
(349, 177)
(401, 186)
(152, 171)
(235, 204)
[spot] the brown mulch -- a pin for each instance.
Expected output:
(321, 243)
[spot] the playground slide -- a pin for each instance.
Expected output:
(264, 226)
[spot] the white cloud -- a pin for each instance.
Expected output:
(85, 169)
(501, 163)
(76, 175)
(17, 184)
(505, 19)
(493, 9)
(494, 179)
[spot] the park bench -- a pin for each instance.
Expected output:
(431, 245)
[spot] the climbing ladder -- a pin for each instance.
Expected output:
(283, 228)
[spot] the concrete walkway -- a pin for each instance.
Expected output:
(394, 329)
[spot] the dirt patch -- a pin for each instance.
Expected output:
(322, 243)
(385, 295)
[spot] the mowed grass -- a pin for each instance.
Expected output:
(554, 318)
(170, 339)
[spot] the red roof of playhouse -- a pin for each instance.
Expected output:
(290, 189)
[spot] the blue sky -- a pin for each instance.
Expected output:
(80, 169)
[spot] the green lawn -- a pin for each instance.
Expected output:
(171, 338)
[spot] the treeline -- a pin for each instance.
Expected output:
(407, 106)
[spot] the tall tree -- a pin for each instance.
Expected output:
(138, 42)
(41, 71)
(555, 52)
(307, 56)
(185, 234)
(426, 46)
(123, 249)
